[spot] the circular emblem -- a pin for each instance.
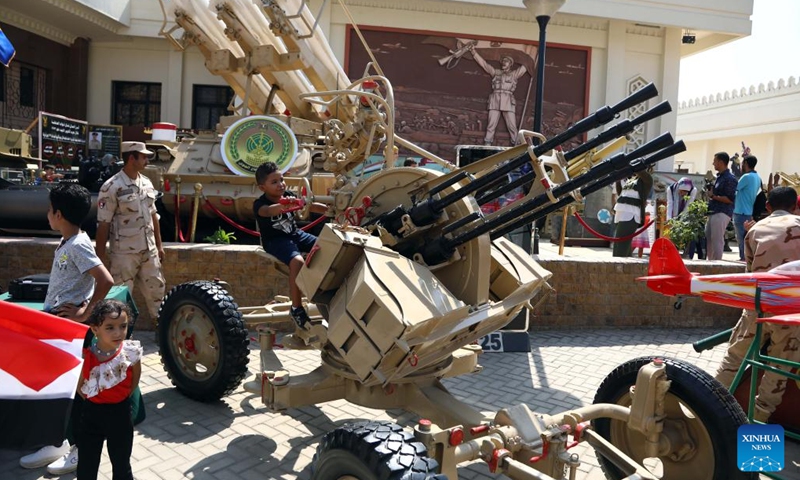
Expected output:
(257, 139)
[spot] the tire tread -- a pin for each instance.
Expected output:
(231, 331)
(390, 451)
(711, 397)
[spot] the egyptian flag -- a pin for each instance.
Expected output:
(7, 51)
(40, 364)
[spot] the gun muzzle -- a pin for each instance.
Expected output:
(426, 212)
(633, 167)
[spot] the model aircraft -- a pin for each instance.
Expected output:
(780, 287)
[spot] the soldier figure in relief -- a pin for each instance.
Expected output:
(501, 100)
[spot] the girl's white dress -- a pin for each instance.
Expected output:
(112, 372)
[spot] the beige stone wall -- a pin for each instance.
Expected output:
(589, 293)
(605, 293)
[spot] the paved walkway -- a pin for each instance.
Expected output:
(238, 439)
(548, 250)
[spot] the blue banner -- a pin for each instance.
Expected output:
(7, 51)
(760, 448)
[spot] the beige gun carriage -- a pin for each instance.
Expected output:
(410, 273)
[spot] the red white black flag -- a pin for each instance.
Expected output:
(40, 363)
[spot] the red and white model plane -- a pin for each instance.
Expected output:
(780, 287)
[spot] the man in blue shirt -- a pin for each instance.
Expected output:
(746, 191)
(720, 206)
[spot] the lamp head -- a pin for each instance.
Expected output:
(543, 8)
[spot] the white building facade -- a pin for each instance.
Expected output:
(630, 43)
(766, 117)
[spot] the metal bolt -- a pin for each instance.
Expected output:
(424, 425)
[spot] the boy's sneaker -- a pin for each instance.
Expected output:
(66, 464)
(300, 316)
(44, 456)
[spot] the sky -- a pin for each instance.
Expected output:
(768, 54)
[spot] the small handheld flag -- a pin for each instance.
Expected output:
(7, 51)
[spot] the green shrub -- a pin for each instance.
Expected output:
(220, 237)
(689, 225)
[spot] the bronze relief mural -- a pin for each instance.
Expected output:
(471, 90)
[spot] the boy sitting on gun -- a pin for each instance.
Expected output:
(280, 236)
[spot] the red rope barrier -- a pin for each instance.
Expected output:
(180, 238)
(612, 239)
(229, 221)
(313, 224)
(247, 230)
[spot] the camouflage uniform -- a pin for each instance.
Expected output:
(770, 243)
(128, 206)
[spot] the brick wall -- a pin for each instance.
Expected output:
(603, 292)
(589, 292)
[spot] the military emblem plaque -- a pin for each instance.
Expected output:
(257, 139)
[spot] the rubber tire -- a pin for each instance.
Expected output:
(231, 331)
(709, 399)
(373, 451)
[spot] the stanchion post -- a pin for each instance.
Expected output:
(563, 238)
(177, 207)
(198, 192)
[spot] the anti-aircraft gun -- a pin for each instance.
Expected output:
(410, 274)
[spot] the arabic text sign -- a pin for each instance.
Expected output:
(104, 139)
(61, 139)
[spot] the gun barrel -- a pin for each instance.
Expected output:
(441, 249)
(426, 212)
(620, 129)
(633, 167)
(600, 117)
(503, 189)
(600, 170)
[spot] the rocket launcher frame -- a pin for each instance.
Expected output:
(257, 47)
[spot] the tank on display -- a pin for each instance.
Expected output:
(409, 272)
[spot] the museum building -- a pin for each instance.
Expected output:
(105, 62)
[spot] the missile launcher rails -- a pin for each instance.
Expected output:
(409, 273)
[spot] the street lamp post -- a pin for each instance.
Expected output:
(542, 10)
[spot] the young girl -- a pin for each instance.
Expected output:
(111, 371)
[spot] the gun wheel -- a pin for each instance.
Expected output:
(372, 451)
(202, 340)
(702, 419)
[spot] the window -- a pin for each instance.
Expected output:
(27, 81)
(136, 103)
(208, 104)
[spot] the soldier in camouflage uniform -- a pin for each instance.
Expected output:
(771, 242)
(126, 215)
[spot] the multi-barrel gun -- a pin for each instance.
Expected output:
(493, 184)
